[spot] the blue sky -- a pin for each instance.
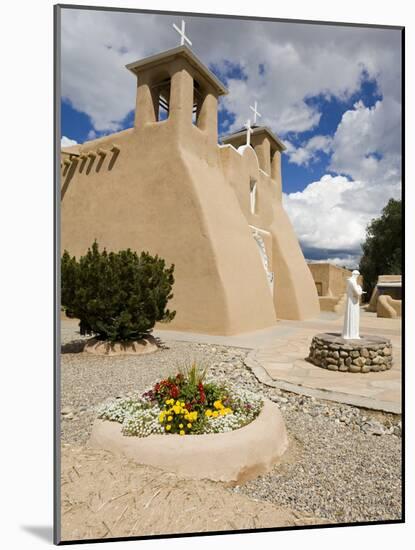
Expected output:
(296, 177)
(332, 94)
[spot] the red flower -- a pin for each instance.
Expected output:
(174, 392)
(202, 396)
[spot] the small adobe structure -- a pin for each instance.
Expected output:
(386, 298)
(331, 282)
(214, 210)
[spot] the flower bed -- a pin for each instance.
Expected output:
(185, 404)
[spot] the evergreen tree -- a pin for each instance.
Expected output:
(117, 296)
(382, 249)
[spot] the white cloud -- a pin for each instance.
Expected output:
(366, 144)
(366, 160)
(96, 46)
(331, 214)
(67, 142)
(309, 151)
(320, 217)
(300, 61)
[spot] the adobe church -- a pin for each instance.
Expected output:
(214, 210)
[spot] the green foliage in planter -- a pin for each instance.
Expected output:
(117, 296)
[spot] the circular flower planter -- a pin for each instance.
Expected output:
(138, 347)
(233, 457)
(368, 353)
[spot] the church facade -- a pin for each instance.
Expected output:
(214, 210)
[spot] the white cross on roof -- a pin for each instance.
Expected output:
(254, 109)
(182, 33)
(249, 131)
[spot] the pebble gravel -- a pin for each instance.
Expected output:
(344, 463)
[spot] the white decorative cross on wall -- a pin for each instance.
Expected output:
(254, 109)
(249, 131)
(182, 33)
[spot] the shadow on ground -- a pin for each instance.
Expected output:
(76, 346)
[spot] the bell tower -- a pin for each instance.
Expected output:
(268, 148)
(175, 89)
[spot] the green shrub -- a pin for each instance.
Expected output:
(117, 296)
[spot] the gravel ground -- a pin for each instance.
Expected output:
(344, 463)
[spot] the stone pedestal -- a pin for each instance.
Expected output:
(369, 353)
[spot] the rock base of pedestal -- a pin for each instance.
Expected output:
(367, 354)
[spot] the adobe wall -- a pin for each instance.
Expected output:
(394, 293)
(294, 295)
(165, 193)
(168, 188)
(387, 307)
(320, 273)
(331, 278)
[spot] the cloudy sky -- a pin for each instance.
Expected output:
(331, 93)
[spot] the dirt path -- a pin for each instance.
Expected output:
(106, 496)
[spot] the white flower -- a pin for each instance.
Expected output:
(140, 418)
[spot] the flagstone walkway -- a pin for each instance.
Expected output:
(278, 353)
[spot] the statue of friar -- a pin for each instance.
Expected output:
(352, 312)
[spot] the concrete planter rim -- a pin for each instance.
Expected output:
(231, 457)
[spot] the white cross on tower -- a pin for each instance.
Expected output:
(182, 33)
(254, 109)
(249, 131)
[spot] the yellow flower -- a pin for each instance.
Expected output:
(218, 404)
(222, 412)
(178, 403)
(189, 425)
(168, 427)
(176, 409)
(180, 426)
(215, 413)
(181, 432)
(208, 413)
(161, 416)
(169, 418)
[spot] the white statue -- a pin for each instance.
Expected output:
(352, 312)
